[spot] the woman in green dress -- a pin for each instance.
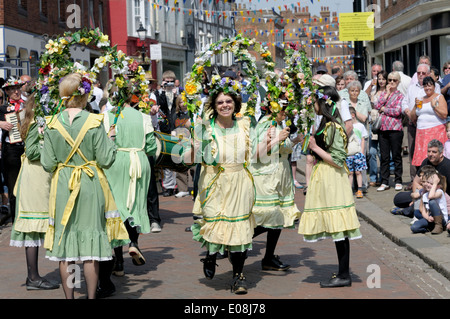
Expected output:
(226, 192)
(129, 176)
(32, 192)
(275, 206)
(329, 204)
(84, 221)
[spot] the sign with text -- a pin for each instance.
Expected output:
(155, 51)
(356, 26)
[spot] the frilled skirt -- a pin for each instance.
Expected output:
(224, 203)
(32, 194)
(275, 206)
(329, 206)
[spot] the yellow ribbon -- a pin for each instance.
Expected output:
(135, 173)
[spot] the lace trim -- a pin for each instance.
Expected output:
(53, 258)
(26, 243)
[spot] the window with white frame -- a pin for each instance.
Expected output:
(137, 14)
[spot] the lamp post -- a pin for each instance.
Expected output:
(142, 34)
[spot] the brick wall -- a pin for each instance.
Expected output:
(394, 7)
(29, 18)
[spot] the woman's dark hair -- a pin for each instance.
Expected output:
(384, 74)
(428, 80)
(211, 104)
(328, 115)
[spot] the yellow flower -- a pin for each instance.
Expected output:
(119, 82)
(191, 88)
(200, 69)
(142, 105)
(85, 40)
(275, 107)
(104, 38)
(236, 85)
(215, 78)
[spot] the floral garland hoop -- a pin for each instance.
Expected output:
(300, 88)
(55, 63)
(239, 46)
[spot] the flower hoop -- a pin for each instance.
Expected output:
(56, 63)
(300, 87)
(239, 46)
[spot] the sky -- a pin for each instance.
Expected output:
(334, 5)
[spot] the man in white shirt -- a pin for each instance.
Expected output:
(371, 85)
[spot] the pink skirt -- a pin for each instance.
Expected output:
(423, 137)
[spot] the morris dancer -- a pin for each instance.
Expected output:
(226, 191)
(84, 221)
(274, 207)
(32, 195)
(11, 152)
(329, 205)
(129, 176)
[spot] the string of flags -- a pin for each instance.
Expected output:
(244, 14)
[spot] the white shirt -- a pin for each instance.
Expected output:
(405, 81)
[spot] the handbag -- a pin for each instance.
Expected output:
(376, 125)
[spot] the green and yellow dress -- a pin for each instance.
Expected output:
(274, 205)
(32, 193)
(129, 175)
(226, 191)
(329, 210)
(84, 223)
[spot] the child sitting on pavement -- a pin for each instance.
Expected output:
(433, 206)
(356, 160)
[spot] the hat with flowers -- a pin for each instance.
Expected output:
(12, 81)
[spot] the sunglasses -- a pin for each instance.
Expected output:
(447, 68)
(422, 73)
(392, 80)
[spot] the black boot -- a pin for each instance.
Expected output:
(105, 287)
(239, 285)
(209, 265)
(274, 264)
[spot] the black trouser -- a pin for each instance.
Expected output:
(391, 142)
(11, 154)
(152, 195)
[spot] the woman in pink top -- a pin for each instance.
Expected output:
(391, 133)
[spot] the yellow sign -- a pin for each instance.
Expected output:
(356, 26)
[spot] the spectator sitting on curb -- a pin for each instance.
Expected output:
(435, 157)
(433, 207)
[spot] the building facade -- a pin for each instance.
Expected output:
(318, 36)
(27, 25)
(408, 29)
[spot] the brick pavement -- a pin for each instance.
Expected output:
(173, 269)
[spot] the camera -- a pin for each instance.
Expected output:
(169, 84)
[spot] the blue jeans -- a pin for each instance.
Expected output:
(374, 152)
(422, 225)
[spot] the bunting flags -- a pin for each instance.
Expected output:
(238, 14)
